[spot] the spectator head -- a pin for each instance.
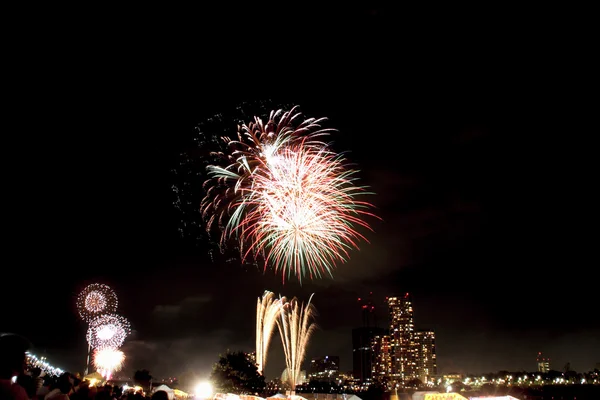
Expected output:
(12, 355)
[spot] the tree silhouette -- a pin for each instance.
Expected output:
(143, 378)
(236, 373)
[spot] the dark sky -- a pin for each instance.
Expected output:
(474, 137)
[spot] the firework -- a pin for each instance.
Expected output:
(96, 299)
(286, 197)
(189, 172)
(296, 328)
(108, 360)
(107, 331)
(268, 310)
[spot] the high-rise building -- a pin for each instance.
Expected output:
(382, 359)
(362, 352)
(543, 363)
(402, 341)
(324, 368)
(367, 310)
(362, 340)
(425, 355)
(400, 355)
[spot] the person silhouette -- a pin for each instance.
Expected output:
(160, 395)
(12, 365)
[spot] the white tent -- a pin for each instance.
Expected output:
(494, 398)
(353, 397)
(170, 392)
(277, 396)
(251, 397)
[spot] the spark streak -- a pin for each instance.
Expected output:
(296, 328)
(268, 310)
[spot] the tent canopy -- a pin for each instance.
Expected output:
(170, 392)
(94, 375)
(162, 387)
(494, 398)
(250, 397)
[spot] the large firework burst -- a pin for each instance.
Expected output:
(286, 196)
(268, 309)
(107, 331)
(108, 360)
(96, 299)
(296, 328)
(189, 172)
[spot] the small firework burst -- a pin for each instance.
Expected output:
(96, 299)
(108, 331)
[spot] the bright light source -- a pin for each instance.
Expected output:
(204, 390)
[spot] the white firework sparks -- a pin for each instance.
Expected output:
(268, 310)
(108, 360)
(108, 331)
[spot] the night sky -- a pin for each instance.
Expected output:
(474, 141)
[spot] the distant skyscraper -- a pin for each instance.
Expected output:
(367, 309)
(404, 363)
(362, 351)
(382, 359)
(543, 364)
(324, 368)
(362, 340)
(400, 355)
(425, 355)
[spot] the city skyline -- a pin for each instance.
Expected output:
(277, 365)
(475, 152)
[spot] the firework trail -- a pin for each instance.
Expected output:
(296, 328)
(268, 310)
(108, 361)
(96, 299)
(108, 331)
(286, 197)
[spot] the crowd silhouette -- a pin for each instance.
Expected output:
(21, 381)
